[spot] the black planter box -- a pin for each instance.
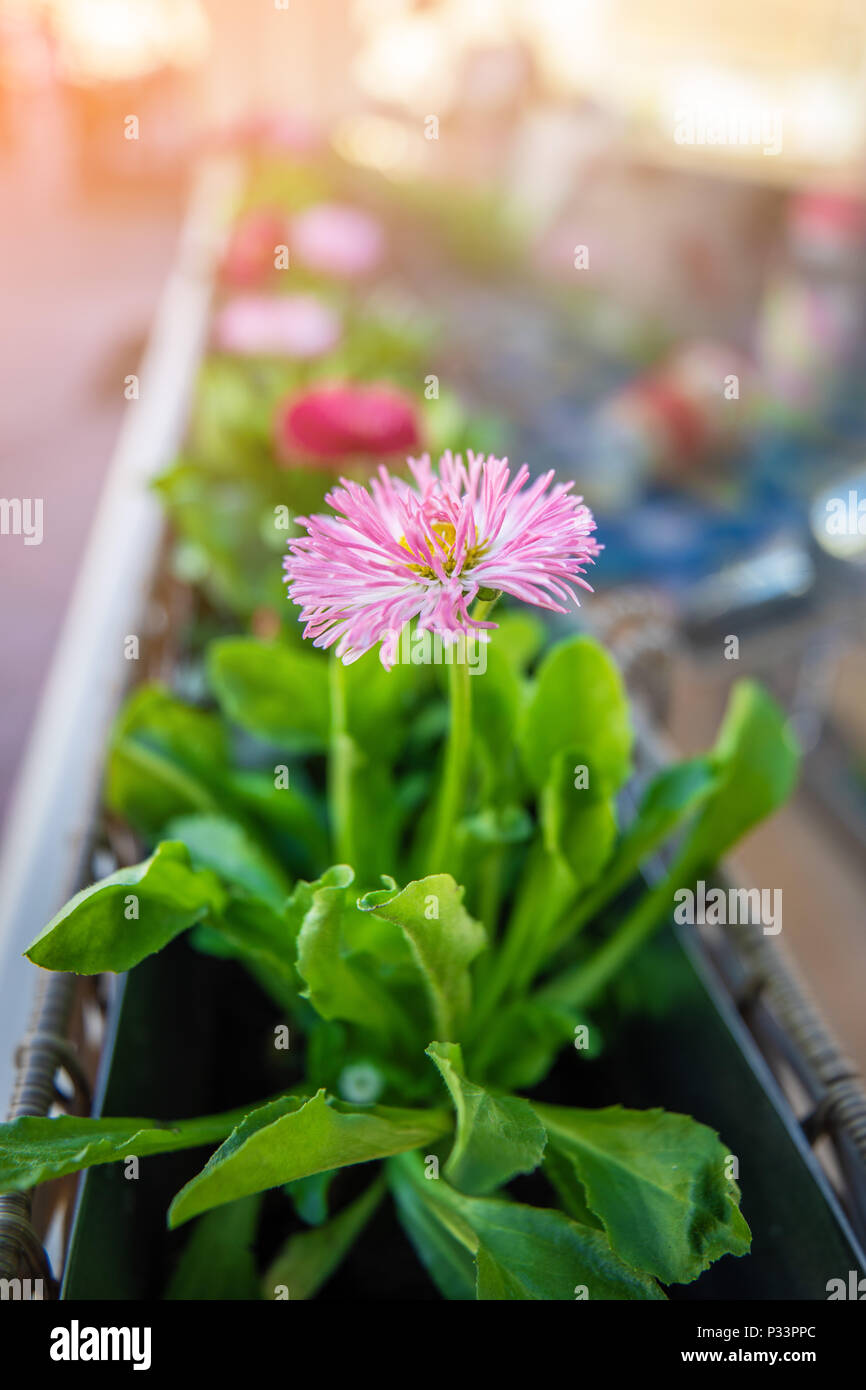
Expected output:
(185, 1028)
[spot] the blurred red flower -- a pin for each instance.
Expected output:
(251, 253)
(332, 422)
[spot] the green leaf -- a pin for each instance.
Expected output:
(497, 1136)
(443, 937)
(341, 984)
(757, 759)
(218, 1261)
(657, 1182)
(496, 697)
(117, 922)
(674, 794)
(579, 702)
(496, 826)
(34, 1150)
(310, 1197)
(520, 635)
(165, 759)
(293, 1137)
(308, 1259)
(578, 823)
(561, 1175)
(228, 849)
(227, 529)
(449, 1261)
(519, 1252)
(271, 690)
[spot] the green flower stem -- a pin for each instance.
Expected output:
(340, 765)
(539, 901)
(452, 790)
(453, 786)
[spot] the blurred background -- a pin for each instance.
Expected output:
(660, 228)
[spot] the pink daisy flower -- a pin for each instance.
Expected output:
(336, 239)
(424, 550)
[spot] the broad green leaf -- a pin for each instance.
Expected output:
(293, 1137)
(271, 690)
(165, 759)
(218, 1260)
(578, 823)
(757, 758)
(520, 1252)
(34, 1150)
(341, 984)
(444, 941)
(578, 701)
(657, 1182)
(497, 1136)
(117, 922)
(671, 797)
(674, 793)
(308, 1259)
(228, 849)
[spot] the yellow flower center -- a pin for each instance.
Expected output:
(444, 536)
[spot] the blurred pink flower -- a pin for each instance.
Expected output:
(335, 239)
(400, 552)
(336, 422)
(291, 325)
(251, 253)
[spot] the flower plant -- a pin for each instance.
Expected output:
(426, 871)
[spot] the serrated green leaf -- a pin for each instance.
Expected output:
(498, 1136)
(293, 1137)
(34, 1150)
(444, 940)
(520, 1252)
(340, 983)
(657, 1182)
